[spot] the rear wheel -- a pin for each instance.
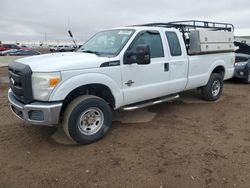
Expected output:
(212, 91)
(87, 119)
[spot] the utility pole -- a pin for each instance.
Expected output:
(45, 37)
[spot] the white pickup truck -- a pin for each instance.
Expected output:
(122, 68)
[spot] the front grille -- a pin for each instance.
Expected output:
(20, 82)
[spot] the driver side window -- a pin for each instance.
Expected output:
(153, 40)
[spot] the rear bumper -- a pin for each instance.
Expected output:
(241, 72)
(36, 113)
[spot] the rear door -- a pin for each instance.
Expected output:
(143, 82)
(178, 64)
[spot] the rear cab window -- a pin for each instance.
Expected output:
(174, 43)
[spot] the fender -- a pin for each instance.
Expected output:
(64, 88)
(200, 80)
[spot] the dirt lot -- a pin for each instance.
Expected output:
(189, 143)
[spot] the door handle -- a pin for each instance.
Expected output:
(166, 67)
(130, 83)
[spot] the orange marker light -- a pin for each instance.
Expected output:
(54, 81)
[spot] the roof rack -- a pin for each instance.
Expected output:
(188, 25)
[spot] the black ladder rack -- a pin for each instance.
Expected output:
(187, 25)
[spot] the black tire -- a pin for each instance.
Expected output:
(247, 79)
(73, 119)
(208, 92)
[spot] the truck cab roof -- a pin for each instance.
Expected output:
(141, 28)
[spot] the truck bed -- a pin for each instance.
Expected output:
(201, 66)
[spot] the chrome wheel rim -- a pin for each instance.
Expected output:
(91, 121)
(216, 88)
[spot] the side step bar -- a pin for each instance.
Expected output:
(150, 103)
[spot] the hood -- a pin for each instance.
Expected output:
(63, 61)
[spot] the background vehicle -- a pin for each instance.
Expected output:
(123, 68)
(242, 48)
(62, 48)
(4, 47)
(53, 48)
(65, 48)
(19, 52)
(242, 63)
(242, 67)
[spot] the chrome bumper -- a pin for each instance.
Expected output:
(36, 113)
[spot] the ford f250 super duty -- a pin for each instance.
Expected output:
(123, 68)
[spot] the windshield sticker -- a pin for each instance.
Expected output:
(125, 32)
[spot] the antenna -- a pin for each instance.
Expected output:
(70, 33)
(69, 25)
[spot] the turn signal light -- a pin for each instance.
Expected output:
(54, 81)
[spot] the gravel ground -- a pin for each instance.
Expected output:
(187, 143)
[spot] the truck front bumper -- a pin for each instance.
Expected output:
(241, 71)
(36, 113)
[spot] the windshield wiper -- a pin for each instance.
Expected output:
(91, 52)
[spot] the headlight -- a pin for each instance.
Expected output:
(44, 83)
(241, 64)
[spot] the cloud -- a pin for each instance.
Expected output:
(31, 19)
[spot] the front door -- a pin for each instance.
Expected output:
(143, 82)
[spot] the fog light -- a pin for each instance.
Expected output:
(36, 115)
(241, 73)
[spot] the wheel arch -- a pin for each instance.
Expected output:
(92, 83)
(220, 69)
(99, 90)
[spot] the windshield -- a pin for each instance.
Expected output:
(107, 42)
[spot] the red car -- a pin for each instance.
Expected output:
(4, 47)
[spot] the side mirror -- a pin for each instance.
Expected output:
(141, 56)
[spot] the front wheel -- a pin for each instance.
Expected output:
(212, 91)
(87, 119)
